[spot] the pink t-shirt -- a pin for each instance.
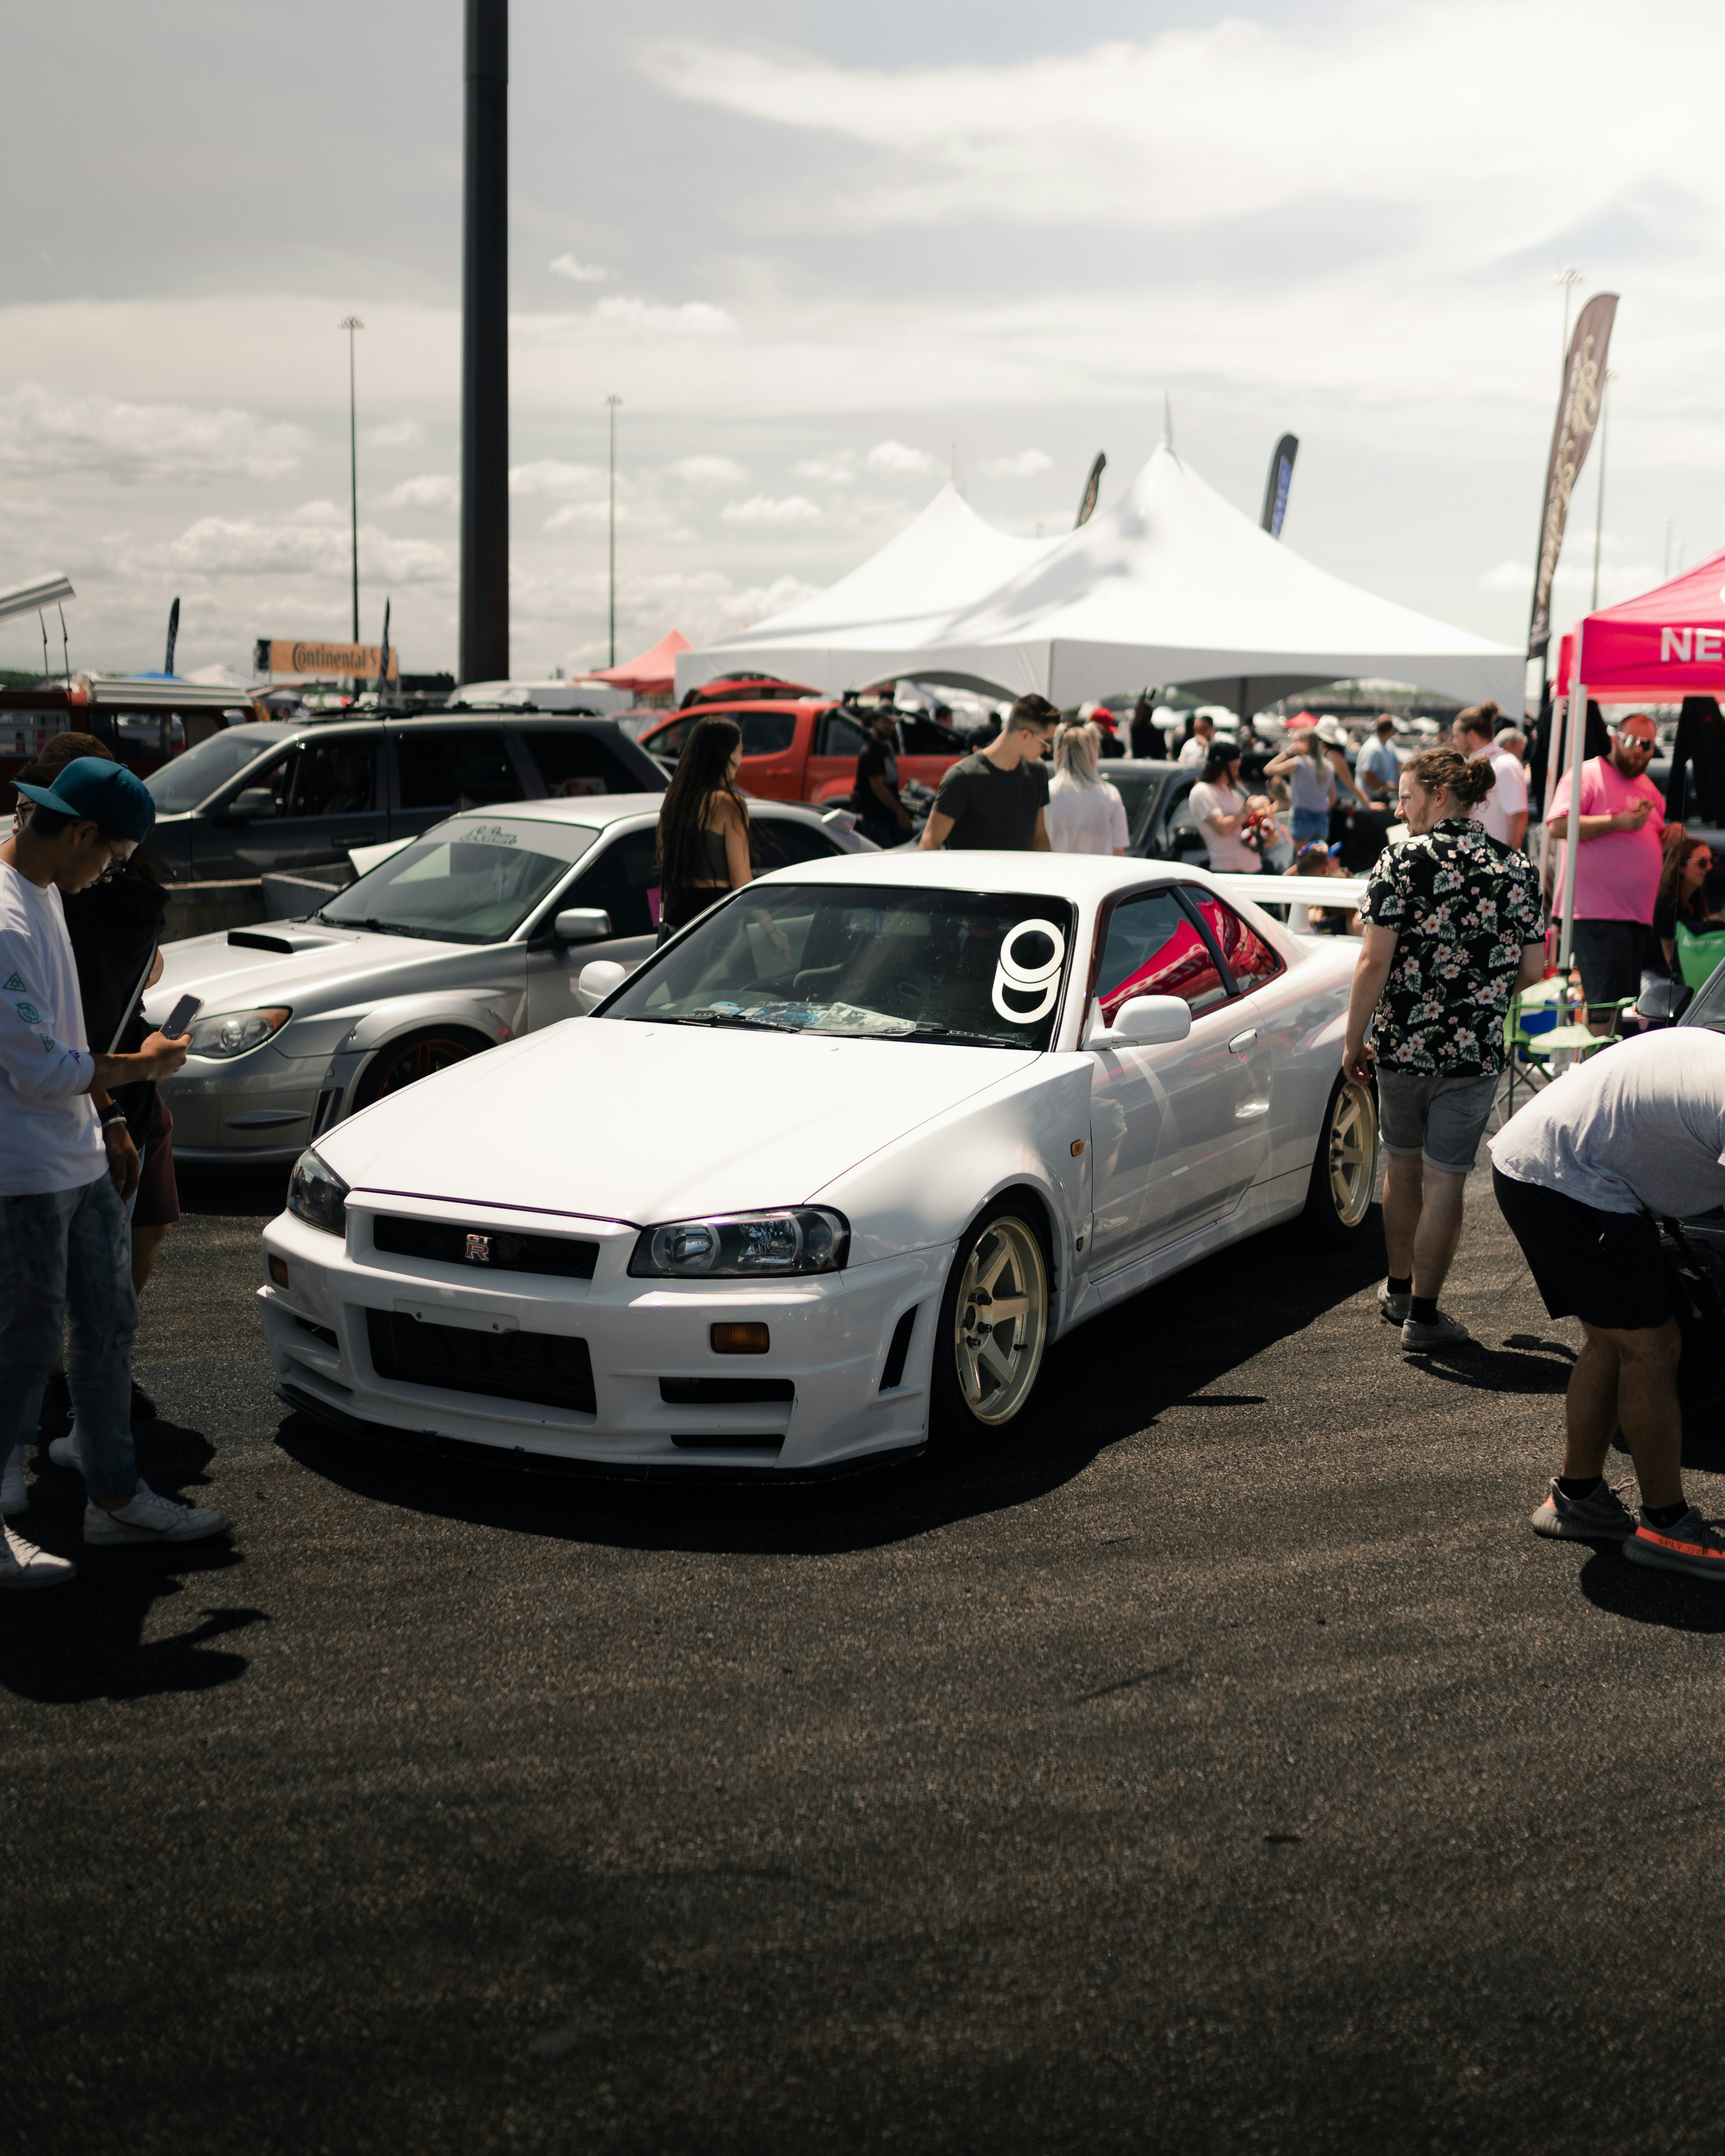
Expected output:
(1617, 874)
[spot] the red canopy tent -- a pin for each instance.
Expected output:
(654, 673)
(1667, 644)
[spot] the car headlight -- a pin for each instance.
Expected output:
(317, 1193)
(803, 1239)
(236, 1032)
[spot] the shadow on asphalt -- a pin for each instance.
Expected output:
(1165, 1346)
(1612, 1583)
(88, 1641)
(1523, 1365)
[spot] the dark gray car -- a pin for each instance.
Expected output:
(255, 800)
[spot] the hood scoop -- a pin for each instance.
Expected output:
(284, 940)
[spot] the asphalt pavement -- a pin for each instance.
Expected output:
(1222, 1764)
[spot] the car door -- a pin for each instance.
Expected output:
(1152, 1123)
(324, 797)
(838, 741)
(572, 763)
(620, 877)
(1272, 1122)
(770, 766)
(439, 769)
(779, 842)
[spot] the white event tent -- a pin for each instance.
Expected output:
(1171, 585)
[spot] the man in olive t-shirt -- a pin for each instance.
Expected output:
(993, 801)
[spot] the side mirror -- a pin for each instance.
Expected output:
(841, 819)
(1143, 1022)
(598, 980)
(582, 924)
(1663, 1002)
(256, 801)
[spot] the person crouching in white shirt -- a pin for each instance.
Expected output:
(1085, 812)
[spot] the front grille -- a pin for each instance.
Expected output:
(503, 1250)
(724, 1392)
(547, 1368)
(318, 1332)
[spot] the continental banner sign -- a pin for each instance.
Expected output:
(1578, 416)
(357, 661)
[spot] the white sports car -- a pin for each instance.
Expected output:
(824, 1176)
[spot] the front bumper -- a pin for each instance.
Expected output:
(830, 1338)
(259, 1110)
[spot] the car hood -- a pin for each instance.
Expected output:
(624, 1121)
(323, 968)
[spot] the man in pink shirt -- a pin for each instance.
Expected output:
(1617, 870)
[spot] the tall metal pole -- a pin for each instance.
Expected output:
(611, 405)
(484, 347)
(1569, 278)
(1599, 502)
(351, 323)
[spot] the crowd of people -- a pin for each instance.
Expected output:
(86, 1178)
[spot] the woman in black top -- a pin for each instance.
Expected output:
(703, 827)
(1686, 863)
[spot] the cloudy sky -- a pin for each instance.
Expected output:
(814, 249)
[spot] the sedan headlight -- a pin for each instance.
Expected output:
(317, 1193)
(803, 1238)
(236, 1032)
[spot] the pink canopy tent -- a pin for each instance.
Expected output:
(1667, 644)
(653, 674)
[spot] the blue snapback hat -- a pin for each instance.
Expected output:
(101, 792)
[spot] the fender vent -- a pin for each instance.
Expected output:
(324, 1114)
(898, 1354)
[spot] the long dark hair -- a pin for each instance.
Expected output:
(1679, 851)
(700, 774)
(1216, 763)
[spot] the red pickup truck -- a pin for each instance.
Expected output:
(805, 748)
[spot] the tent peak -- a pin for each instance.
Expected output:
(1167, 423)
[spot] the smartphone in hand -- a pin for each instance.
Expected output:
(178, 1020)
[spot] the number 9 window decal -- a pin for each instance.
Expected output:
(1031, 956)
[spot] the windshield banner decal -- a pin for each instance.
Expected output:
(1032, 975)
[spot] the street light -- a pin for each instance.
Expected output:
(1569, 278)
(611, 405)
(351, 323)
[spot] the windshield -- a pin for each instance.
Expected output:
(845, 958)
(192, 777)
(470, 881)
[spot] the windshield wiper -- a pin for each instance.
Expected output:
(384, 927)
(725, 1018)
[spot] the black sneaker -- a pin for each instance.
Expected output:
(55, 1418)
(143, 1408)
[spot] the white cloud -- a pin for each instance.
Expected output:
(312, 542)
(393, 435)
(577, 273)
(547, 475)
(1024, 466)
(899, 461)
(741, 609)
(694, 318)
(46, 433)
(648, 518)
(708, 471)
(762, 509)
(435, 491)
(833, 471)
(1508, 576)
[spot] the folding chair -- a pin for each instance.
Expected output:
(1699, 957)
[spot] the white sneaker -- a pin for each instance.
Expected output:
(145, 1517)
(22, 1565)
(62, 1451)
(14, 1497)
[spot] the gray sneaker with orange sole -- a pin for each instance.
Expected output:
(1602, 1517)
(1688, 1545)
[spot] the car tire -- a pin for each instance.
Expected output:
(981, 1380)
(400, 1063)
(1344, 1169)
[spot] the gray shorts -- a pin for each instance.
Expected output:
(1441, 1115)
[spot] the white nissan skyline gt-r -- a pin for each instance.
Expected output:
(828, 1173)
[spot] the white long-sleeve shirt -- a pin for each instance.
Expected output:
(49, 1136)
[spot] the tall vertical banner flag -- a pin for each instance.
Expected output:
(384, 656)
(1578, 416)
(173, 636)
(1092, 488)
(1275, 487)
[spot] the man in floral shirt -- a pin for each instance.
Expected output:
(1454, 926)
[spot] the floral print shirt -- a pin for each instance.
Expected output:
(1462, 905)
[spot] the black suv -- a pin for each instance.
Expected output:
(254, 799)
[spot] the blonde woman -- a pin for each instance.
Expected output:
(1085, 814)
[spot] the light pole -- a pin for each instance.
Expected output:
(611, 405)
(351, 323)
(1599, 504)
(1569, 278)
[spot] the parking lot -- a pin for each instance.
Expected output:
(1221, 1765)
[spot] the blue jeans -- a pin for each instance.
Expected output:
(70, 1248)
(1310, 824)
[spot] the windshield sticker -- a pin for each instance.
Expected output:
(487, 834)
(1033, 971)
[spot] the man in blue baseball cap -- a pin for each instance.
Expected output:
(64, 1245)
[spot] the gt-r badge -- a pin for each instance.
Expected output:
(479, 1250)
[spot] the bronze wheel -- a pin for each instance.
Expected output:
(417, 1055)
(1344, 1173)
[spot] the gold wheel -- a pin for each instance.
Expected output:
(1352, 1142)
(1000, 1322)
